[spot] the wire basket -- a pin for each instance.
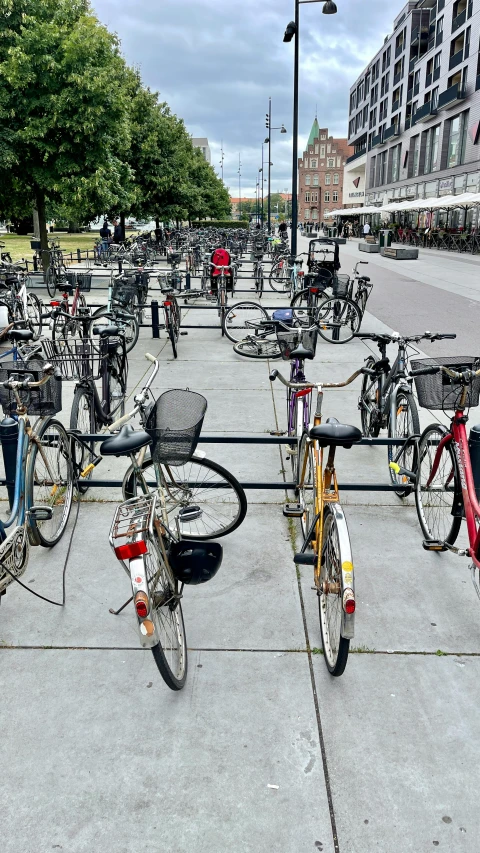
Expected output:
(125, 291)
(81, 358)
(439, 391)
(45, 400)
(82, 280)
(175, 423)
(341, 285)
(289, 341)
(320, 279)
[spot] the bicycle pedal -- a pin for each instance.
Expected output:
(434, 545)
(305, 559)
(293, 511)
(184, 333)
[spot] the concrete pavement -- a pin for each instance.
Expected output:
(98, 753)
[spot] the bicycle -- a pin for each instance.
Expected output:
(221, 288)
(56, 273)
(22, 306)
(444, 478)
(258, 276)
(37, 463)
(124, 300)
(173, 317)
(387, 401)
(67, 322)
(152, 532)
(287, 274)
(361, 287)
(337, 317)
(326, 544)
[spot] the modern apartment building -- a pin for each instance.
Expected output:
(320, 170)
(202, 143)
(414, 117)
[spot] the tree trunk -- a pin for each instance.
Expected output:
(157, 223)
(42, 222)
(122, 223)
(36, 224)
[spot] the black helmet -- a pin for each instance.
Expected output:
(194, 562)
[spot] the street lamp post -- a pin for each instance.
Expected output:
(293, 31)
(239, 187)
(268, 125)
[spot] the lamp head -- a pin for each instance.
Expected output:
(290, 32)
(329, 8)
(267, 139)
(282, 129)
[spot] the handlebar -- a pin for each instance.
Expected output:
(465, 376)
(139, 399)
(301, 386)
(384, 337)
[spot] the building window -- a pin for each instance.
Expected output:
(314, 213)
(335, 196)
(316, 149)
(307, 180)
(307, 213)
(396, 163)
(335, 178)
(322, 150)
(456, 140)
(315, 180)
(431, 149)
(439, 33)
(323, 136)
(326, 197)
(416, 155)
(328, 179)
(315, 197)
(313, 164)
(434, 98)
(331, 162)
(307, 196)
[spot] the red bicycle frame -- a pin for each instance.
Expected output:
(458, 434)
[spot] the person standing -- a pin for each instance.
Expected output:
(117, 232)
(106, 236)
(366, 229)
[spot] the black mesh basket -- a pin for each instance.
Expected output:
(320, 279)
(289, 340)
(45, 400)
(125, 291)
(340, 285)
(175, 423)
(438, 391)
(82, 280)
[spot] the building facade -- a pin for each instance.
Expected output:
(202, 143)
(320, 171)
(414, 113)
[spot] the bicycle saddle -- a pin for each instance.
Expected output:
(335, 434)
(365, 278)
(106, 331)
(127, 441)
(21, 335)
(302, 352)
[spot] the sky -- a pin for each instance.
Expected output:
(217, 62)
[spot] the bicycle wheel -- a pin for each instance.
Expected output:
(170, 653)
(368, 403)
(242, 318)
(278, 277)
(50, 281)
(341, 320)
(207, 500)
(295, 427)
(127, 324)
(305, 306)
(258, 348)
(307, 486)
(335, 554)
(437, 500)
(83, 418)
(34, 314)
(49, 480)
(117, 388)
(406, 422)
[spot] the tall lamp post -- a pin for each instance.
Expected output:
(293, 31)
(268, 125)
(239, 187)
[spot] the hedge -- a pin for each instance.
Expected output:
(227, 223)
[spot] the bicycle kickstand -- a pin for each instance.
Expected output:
(117, 612)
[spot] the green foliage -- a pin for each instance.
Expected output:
(227, 223)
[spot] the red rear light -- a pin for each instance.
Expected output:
(131, 550)
(167, 304)
(55, 303)
(350, 606)
(300, 272)
(141, 605)
(314, 290)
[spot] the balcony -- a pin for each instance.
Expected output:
(436, 73)
(412, 62)
(440, 5)
(459, 20)
(409, 95)
(356, 155)
(408, 123)
(391, 132)
(396, 106)
(428, 80)
(416, 89)
(477, 84)
(419, 34)
(456, 59)
(397, 78)
(377, 140)
(425, 113)
(439, 39)
(451, 96)
(398, 50)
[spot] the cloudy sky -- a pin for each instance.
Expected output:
(216, 62)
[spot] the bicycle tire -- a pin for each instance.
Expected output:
(307, 489)
(122, 319)
(278, 275)
(191, 530)
(171, 335)
(39, 489)
(305, 305)
(446, 486)
(346, 315)
(407, 422)
(34, 313)
(258, 348)
(330, 605)
(50, 281)
(83, 417)
(369, 396)
(259, 314)
(117, 388)
(163, 614)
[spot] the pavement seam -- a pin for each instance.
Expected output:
(438, 653)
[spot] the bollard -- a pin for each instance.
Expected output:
(120, 266)
(187, 281)
(9, 441)
(79, 255)
(35, 263)
(155, 319)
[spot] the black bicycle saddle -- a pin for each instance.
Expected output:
(335, 434)
(127, 441)
(302, 352)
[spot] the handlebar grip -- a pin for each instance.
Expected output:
(449, 336)
(273, 375)
(367, 372)
(150, 357)
(57, 374)
(424, 371)
(120, 422)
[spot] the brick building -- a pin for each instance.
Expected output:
(320, 170)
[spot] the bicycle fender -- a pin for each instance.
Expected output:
(3, 534)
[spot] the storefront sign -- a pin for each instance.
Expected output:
(445, 186)
(356, 195)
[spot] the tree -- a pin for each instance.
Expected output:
(64, 128)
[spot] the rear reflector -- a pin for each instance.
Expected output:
(350, 606)
(55, 303)
(131, 550)
(141, 605)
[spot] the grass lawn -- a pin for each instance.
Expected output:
(19, 247)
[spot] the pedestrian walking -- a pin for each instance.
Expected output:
(117, 232)
(106, 236)
(366, 229)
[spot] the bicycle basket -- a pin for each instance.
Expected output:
(124, 291)
(45, 400)
(438, 391)
(81, 280)
(80, 358)
(289, 341)
(340, 285)
(175, 423)
(320, 279)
